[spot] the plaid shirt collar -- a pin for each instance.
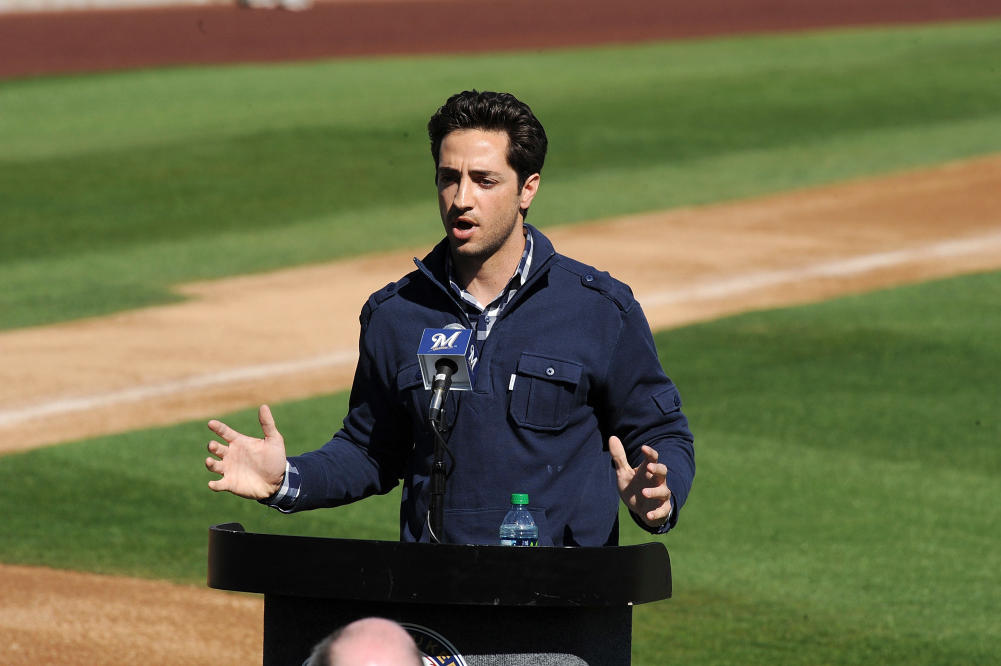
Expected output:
(483, 317)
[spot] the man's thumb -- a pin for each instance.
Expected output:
(267, 421)
(618, 453)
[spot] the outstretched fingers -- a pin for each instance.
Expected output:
(657, 492)
(654, 471)
(218, 485)
(645, 485)
(661, 513)
(218, 449)
(223, 430)
(218, 467)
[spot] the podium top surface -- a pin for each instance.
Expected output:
(436, 573)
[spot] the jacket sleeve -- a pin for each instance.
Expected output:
(643, 406)
(368, 454)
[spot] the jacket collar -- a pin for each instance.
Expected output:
(434, 265)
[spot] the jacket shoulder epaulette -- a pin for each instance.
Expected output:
(378, 298)
(601, 281)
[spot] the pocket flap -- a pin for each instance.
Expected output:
(567, 372)
(409, 377)
(668, 400)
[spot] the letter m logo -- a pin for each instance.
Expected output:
(440, 341)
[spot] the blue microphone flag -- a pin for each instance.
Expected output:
(455, 344)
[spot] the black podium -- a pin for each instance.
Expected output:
(474, 605)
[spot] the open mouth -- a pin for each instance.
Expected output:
(463, 225)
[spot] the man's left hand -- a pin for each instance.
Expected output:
(643, 488)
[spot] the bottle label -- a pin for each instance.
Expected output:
(519, 542)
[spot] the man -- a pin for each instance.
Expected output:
(370, 641)
(570, 404)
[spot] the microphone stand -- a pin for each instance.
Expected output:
(436, 509)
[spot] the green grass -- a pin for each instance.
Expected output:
(844, 510)
(849, 470)
(148, 507)
(115, 187)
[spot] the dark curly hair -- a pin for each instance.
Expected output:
(493, 111)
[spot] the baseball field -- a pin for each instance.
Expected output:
(808, 206)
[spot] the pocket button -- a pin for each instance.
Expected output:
(550, 371)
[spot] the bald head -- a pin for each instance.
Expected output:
(370, 642)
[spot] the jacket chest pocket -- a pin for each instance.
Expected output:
(544, 392)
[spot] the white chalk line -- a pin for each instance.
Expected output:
(712, 290)
(140, 393)
(847, 267)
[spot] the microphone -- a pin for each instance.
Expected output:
(444, 369)
(448, 362)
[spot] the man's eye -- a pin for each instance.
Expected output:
(486, 182)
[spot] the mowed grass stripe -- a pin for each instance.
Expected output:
(115, 187)
(848, 466)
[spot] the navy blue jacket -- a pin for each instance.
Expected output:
(584, 367)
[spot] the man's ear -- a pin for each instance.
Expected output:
(528, 191)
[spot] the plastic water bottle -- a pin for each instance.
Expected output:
(518, 528)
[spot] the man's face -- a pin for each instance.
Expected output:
(478, 194)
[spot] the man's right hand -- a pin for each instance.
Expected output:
(250, 467)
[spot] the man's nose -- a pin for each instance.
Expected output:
(463, 193)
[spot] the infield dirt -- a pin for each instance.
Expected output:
(215, 352)
(116, 39)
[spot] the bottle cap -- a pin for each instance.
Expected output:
(519, 498)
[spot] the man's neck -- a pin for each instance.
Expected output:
(484, 279)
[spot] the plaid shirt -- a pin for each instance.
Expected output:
(286, 496)
(481, 318)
